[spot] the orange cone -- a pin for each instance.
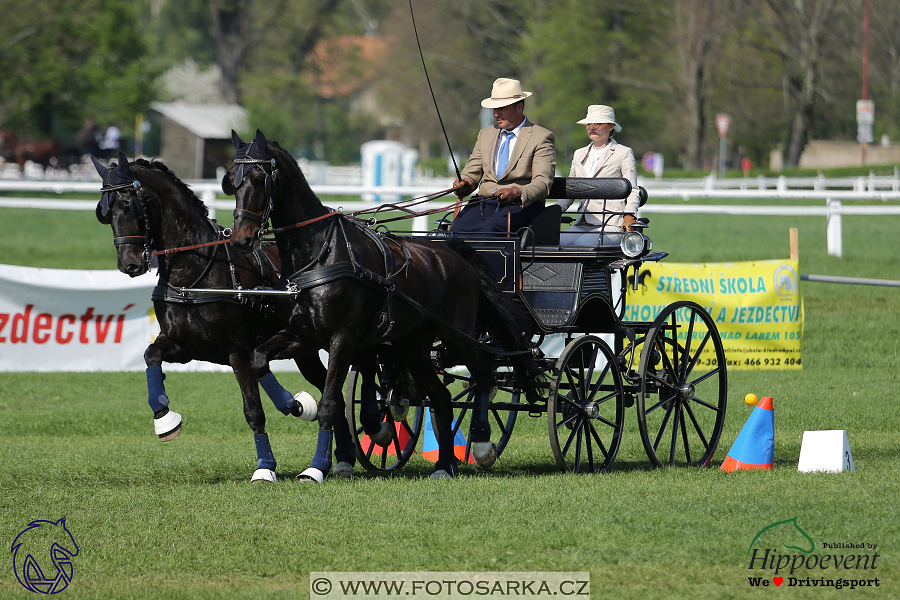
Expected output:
(402, 438)
(754, 447)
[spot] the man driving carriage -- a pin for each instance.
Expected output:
(512, 166)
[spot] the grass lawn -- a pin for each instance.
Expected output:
(180, 520)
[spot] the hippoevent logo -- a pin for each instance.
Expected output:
(784, 554)
(42, 556)
(40, 328)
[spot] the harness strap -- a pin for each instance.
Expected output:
(309, 278)
(128, 239)
(240, 212)
(166, 292)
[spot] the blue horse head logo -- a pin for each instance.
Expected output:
(42, 556)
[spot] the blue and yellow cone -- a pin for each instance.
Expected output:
(754, 447)
(430, 445)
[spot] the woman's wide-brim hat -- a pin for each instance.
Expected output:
(504, 93)
(599, 113)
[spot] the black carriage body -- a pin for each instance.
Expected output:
(567, 289)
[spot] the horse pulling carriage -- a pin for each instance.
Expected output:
(405, 315)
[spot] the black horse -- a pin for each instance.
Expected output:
(150, 209)
(360, 289)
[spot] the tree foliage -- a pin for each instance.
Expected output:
(63, 61)
(324, 76)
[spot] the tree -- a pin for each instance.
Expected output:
(884, 62)
(798, 30)
(241, 28)
(64, 61)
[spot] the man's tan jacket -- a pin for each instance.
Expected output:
(532, 165)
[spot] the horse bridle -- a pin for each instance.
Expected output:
(138, 204)
(271, 179)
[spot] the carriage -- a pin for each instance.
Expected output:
(671, 369)
(401, 315)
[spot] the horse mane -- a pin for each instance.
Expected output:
(158, 165)
(284, 157)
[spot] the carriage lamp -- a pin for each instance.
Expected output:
(633, 244)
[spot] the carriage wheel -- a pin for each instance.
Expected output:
(683, 389)
(407, 420)
(502, 421)
(585, 410)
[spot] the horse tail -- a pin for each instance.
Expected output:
(509, 321)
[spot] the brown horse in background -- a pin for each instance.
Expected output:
(46, 152)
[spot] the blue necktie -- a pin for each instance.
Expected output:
(503, 158)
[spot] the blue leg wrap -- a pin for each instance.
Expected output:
(344, 449)
(157, 398)
(264, 457)
(281, 398)
(322, 459)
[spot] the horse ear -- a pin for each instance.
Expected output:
(236, 140)
(99, 166)
(123, 163)
(261, 141)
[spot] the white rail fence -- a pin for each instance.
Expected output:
(833, 207)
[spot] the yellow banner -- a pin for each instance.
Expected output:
(756, 306)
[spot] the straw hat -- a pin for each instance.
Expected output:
(504, 93)
(599, 113)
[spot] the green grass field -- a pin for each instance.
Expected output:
(180, 520)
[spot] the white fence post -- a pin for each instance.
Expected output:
(420, 223)
(209, 198)
(833, 236)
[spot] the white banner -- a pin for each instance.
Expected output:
(66, 320)
(69, 320)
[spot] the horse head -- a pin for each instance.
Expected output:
(255, 166)
(41, 544)
(126, 205)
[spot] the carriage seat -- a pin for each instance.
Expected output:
(544, 229)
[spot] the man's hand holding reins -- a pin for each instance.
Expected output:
(509, 195)
(463, 187)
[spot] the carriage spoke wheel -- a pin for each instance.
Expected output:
(502, 421)
(683, 388)
(585, 410)
(405, 420)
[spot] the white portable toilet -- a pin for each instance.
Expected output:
(382, 166)
(410, 159)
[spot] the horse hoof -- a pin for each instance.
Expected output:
(485, 454)
(306, 408)
(168, 426)
(312, 474)
(343, 470)
(384, 436)
(441, 474)
(264, 475)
